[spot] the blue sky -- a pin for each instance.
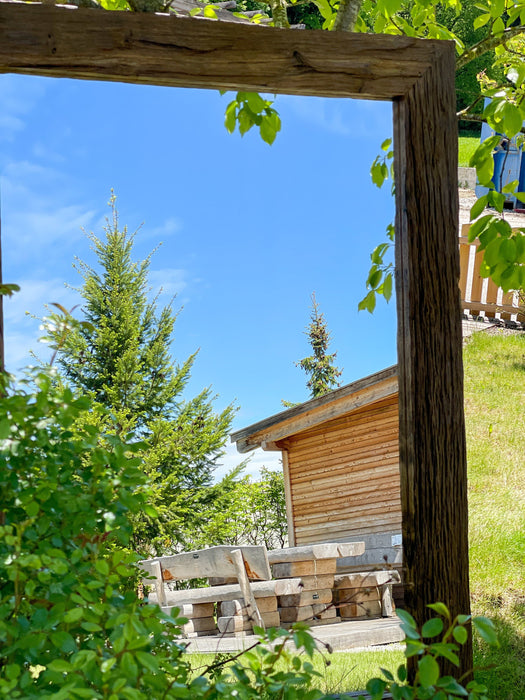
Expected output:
(248, 231)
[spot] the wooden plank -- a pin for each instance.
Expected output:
(376, 445)
(432, 428)
(333, 498)
(196, 611)
(365, 578)
(356, 462)
(249, 599)
(356, 595)
(350, 611)
(315, 582)
(238, 607)
(152, 49)
(307, 613)
(335, 481)
(339, 516)
(261, 589)
(349, 527)
(380, 411)
(326, 550)
(357, 423)
(306, 416)
(200, 624)
(352, 529)
(288, 500)
(310, 567)
(492, 308)
(212, 562)
(236, 623)
(318, 597)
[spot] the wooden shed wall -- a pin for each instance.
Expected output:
(344, 475)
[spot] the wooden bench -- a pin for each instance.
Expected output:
(242, 563)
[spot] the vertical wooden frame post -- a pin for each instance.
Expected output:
(431, 425)
(418, 76)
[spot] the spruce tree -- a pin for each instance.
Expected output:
(319, 367)
(121, 356)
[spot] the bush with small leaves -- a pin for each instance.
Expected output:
(71, 625)
(428, 683)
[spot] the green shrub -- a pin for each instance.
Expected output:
(71, 625)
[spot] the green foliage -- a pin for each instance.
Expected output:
(320, 368)
(120, 356)
(71, 625)
(246, 512)
(428, 683)
(249, 109)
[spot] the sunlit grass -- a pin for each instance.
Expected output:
(467, 146)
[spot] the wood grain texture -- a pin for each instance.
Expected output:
(344, 474)
(432, 432)
(185, 52)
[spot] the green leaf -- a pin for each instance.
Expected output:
(407, 618)
(485, 629)
(432, 627)
(60, 665)
(478, 207)
(387, 286)
(267, 132)
(512, 119)
(481, 21)
(7, 290)
(375, 278)
(368, 303)
(255, 102)
(73, 615)
(460, 634)
(428, 669)
(64, 641)
(386, 144)
(450, 685)
(375, 688)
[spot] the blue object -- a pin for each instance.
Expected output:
(509, 164)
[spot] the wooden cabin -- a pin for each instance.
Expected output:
(340, 455)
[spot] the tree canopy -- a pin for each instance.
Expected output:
(120, 355)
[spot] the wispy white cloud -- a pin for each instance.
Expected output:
(169, 228)
(35, 220)
(169, 281)
(18, 100)
(360, 119)
(257, 460)
(22, 317)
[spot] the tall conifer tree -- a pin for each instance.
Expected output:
(319, 367)
(122, 358)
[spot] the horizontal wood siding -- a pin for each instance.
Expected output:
(344, 475)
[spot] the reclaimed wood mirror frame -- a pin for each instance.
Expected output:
(418, 77)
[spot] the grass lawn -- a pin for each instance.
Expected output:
(495, 419)
(467, 146)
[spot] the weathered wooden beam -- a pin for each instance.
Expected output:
(212, 562)
(327, 550)
(152, 49)
(311, 413)
(431, 423)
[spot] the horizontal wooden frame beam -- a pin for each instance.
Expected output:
(64, 41)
